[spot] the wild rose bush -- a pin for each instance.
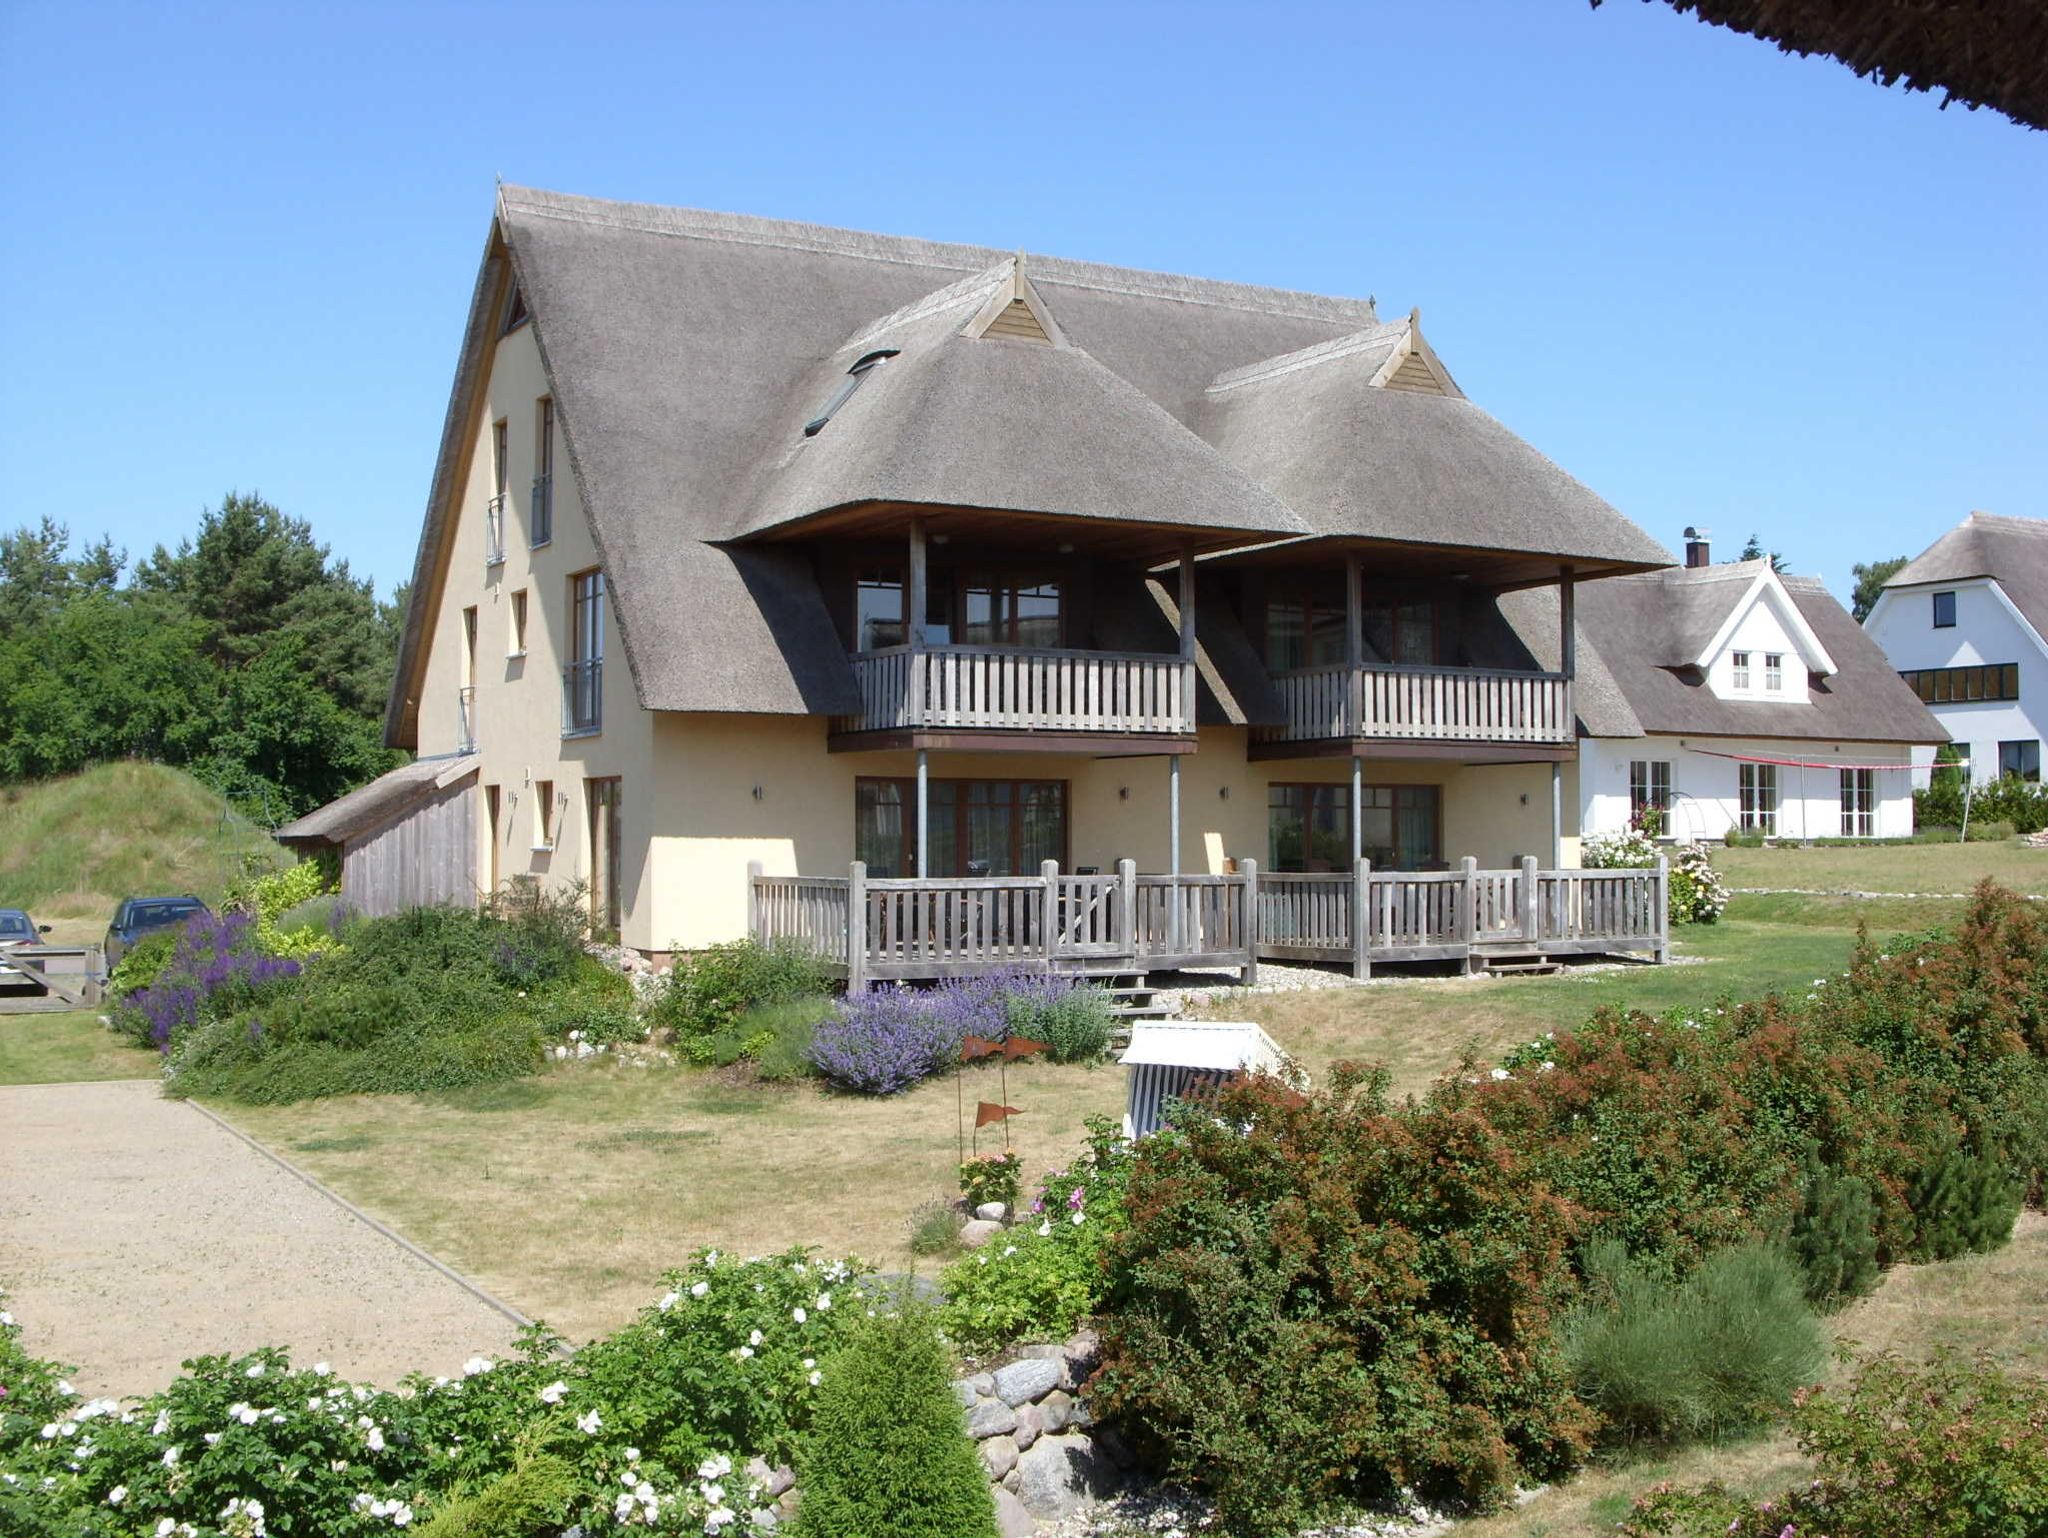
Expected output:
(650, 1429)
(1045, 1274)
(1698, 895)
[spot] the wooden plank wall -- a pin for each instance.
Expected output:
(425, 857)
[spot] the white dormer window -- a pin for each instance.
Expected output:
(1774, 673)
(1740, 662)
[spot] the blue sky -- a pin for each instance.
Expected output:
(1720, 285)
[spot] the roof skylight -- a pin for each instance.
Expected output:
(865, 366)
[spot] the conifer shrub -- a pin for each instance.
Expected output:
(1965, 1202)
(1713, 1355)
(887, 1451)
(1834, 1237)
(529, 1501)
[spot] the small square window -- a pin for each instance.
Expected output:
(1944, 611)
(2021, 760)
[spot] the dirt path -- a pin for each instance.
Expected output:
(135, 1232)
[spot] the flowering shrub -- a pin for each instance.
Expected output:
(647, 1429)
(1697, 893)
(1044, 1276)
(268, 898)
(216, 964)
(1947, 1451)
(887, 1039)
(1629, 849)
(991, 1178)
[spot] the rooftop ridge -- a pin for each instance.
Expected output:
(1309, 357)
(952, 296)
(914, 251)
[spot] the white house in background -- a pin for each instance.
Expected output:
(1732, 696)
(1965, 625)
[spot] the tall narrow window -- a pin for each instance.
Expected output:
(494, 520)
(541, 516)
(1758, 792)
(518, 648)
(492, 794)
(1944, 611)
(466, 738)
(543, 815)
(1649, 794)
(1774, 673)
(1740, 662)
(1859, 803)
(583, 676)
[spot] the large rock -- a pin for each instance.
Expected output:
(774, 1481)
(1040, 1351)
(983, 1383)
(1084, 1355)
(998, 1456)
(1022, 1382)
(1013, 1520)
(991, 1212)
(964, 1392)
(977, 1233)
(1029, 1425)
(1061, 1474)
(991, 1418)
(1056, 1411)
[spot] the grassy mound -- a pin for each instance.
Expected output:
(71, 848)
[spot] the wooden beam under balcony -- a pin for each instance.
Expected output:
(1379, 748)
(977, 740)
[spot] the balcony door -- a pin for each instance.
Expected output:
(978, 827)
(964, 606)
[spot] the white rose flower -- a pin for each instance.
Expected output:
(117, 1495)
(589, 1423)
(798, 1314)
(553, 1393)
(698, 1289)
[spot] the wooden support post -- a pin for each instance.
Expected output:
(1532, 930)
(1567, 623)
(1468, 915)
(1662, 918)
(856, 929)
(1127, 908)
(924, 768)
(1354, 657)
(1361, 919)
(1187, 638)
(913, 627)
(1249, 871)
(1556, 815)
(1357, 808)
(1173, 852)
(1049, 873)
(756, 919)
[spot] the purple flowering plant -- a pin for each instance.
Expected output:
(890, 1037)
(216, 966)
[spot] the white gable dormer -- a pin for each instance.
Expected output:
(1764, 649)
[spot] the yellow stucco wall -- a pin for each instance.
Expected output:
(519, 699)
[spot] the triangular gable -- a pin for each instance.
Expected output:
(1414, 365)
(1014, 310)
(1765, 588)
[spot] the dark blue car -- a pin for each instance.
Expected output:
(138, 917)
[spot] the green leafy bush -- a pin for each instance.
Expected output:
(270, 897)
(2020, 804)
(1719, 1353)
(1073, 1020)
(888, 1450)
(1045, 1274)
(776, 1038)
(1946, 1451)
(1834, 1237)
(1324, 1296)
(708, 990)
(991, 1178)
(142, 963)
(530, 1501)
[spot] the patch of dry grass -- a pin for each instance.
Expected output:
(567, 1194)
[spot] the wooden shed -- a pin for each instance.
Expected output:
(1166, 1057)
(405, 840)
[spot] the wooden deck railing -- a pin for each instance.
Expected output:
(884, 929)
(1384, 700)
(1012, 688)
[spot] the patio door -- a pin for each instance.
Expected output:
(977, 827)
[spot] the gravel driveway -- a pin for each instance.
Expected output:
(135, 1232)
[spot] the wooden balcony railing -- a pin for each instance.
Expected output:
(1014, 689)
(1398, 701)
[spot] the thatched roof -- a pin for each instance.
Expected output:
(372, 805)
(687, 351)
(1982, 53)
(2013, 551)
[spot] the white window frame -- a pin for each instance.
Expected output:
(1757, 798)
(1859, 803)
(1738, 662)
(1774, 672)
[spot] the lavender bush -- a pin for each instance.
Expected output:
(216, 966)
(889, 1038)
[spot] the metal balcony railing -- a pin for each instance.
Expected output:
(583, 698)
(540, 519)
(466, 721)
(494, 531)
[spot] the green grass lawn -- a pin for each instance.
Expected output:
(71, 848)
(1886, 867)
(68, 1049)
